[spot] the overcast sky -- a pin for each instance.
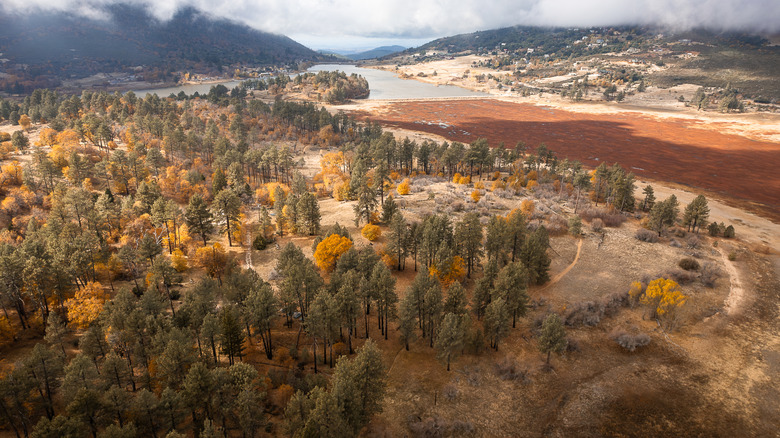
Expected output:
(340, 23)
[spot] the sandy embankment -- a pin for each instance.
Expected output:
(655, 102)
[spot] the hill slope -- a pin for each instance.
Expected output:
(747, 62)
(66, 45)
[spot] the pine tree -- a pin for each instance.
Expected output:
(496, 321)
(359, 386)
(226, 208)
(511, 284)
(232, 336)
(696, 213)
(552, 338)
(468, 235)
(534, 256)
(198, 217)
(309, 214)
(262, 307)
(396, 239)
(366, 202)
(450, 338)
(649, 200)
(407, 319)
(456, 299)
(383, 284)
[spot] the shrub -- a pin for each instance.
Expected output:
(509, 369)
(371, 232)
(614, 220)
(708, 274)
(403, 188)
(597, 225)
(628, 341)
(557, 225)
(259, 243)
(646, 236)
(456, 178)
(587, 313)
(693, 242)
(475, 196)
(439, 427)
(732, 256)
(680, 276)
(728, 233)
(527, 207)
(714, 229)
(674, 243)
(449, 392)
(689, 264)
(575, 226)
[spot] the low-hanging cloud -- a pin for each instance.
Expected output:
(434, 18)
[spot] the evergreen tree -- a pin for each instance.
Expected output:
(552, 338)
(511, 284)
(696, 213)
(496, 321)
(262, 308)
(383, 284)
(468, 235)
(450, 338)
(534, 256)
(198, 217)
(407, 319)
(309, 214)
(359, 386)
(226, 208)
(397, 238)
(366, 202)
(496, 239)
(649, 199)
(456, 299)
(389, 209)
(232, 336)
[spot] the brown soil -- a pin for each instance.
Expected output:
(676, 150)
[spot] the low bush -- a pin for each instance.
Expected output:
(614, 220)
(597, 225)
(674, 243)
(689, 264)
(646, 236)
(259, 243)
(693, 242)
(680, 276)
(449, 392)
(509, 369)
(708, 274)
(440, 427)
(630, 341)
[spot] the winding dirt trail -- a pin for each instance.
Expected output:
(736, 293)
(558, 277)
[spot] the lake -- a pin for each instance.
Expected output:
(383, 85)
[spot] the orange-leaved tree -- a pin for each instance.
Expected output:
(86, 305)
(403, 188)
(664, 298)
(371, 232)
(329, 250)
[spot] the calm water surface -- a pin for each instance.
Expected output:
(383, 85)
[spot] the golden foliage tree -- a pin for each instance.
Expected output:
(527, 207)
(665, 298)
(329, 250)
(178, 260)
(403, 188)
(475, 196)
(86, 305)
(371, 232)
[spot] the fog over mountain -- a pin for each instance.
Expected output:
(433, 18)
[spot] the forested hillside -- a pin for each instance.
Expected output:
(53, 46)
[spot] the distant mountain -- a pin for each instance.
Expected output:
(64, 45)
(378, 52)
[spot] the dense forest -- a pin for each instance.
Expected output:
(126, 278)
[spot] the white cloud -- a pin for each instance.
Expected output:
(433, 18)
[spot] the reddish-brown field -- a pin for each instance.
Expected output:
(670, 149)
